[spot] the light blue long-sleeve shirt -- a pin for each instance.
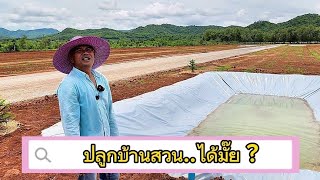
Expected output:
(81, 113)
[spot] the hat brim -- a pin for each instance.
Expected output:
(61, 57)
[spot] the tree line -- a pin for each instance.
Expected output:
(49, 43)
(24, 44)
(305, 34)
(302, 34)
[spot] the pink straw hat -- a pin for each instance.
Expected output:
(101, 47)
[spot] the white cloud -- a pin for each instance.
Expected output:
(317, 7)
(154, 10)
(233, 23)
(30, 10)
(265, 15)
(165, 10)
(160, 13)
(280, 19)
(108, 5)
(31, 16)
(241, 12)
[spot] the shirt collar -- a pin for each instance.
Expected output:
(80, 73)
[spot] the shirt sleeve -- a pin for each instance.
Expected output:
(69, 109)
(112, 121)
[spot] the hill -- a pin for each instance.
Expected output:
(146, 32)
(7, 34)
(299, 21)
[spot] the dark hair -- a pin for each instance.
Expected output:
(71, 52)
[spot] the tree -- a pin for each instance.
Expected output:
(192, 65)
(22, 43)
(45, 43)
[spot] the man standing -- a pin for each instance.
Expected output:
(84, 95)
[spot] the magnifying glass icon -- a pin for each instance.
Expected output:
(42, 154)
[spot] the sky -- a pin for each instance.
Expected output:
(130, 14)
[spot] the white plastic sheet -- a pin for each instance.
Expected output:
(175, 110)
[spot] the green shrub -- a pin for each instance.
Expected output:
(7, 125)
(192, 65)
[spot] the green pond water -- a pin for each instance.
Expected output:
(255, 115)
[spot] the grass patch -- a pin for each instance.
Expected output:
(315, 54)
(297, 50)
(201, 67)
(294, 70)
(224, 68)
(250, 70)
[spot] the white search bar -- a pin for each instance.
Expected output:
(160, 154)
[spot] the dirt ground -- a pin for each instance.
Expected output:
(31, 62)
(26, 87)
(281, 60)
(43, 112)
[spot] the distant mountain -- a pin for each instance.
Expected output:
(146, 32)
(171, 29)
(303, 20)
(4, 33)
(68, 33)
(299, 21)
(167, 30)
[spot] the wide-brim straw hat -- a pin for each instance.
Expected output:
(101, 47)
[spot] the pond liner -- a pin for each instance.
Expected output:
(176, 109)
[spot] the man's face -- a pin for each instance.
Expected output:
(82, 57)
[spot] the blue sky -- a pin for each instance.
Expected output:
(129, 14)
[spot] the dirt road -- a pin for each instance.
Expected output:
(21, 63)
(25, 87)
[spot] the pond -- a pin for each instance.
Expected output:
(257, 115)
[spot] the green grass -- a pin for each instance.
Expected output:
(224, 68)
(294, 70)
(201, 68)
(315, 54)
(250, 70)
(298, 51)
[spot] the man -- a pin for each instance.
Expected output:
(84, 95)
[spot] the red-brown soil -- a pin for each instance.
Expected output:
(43, 112)
(31, 62)
(282, 60)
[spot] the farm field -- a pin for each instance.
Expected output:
(41, 113)
(281, 60)
(32, 62)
